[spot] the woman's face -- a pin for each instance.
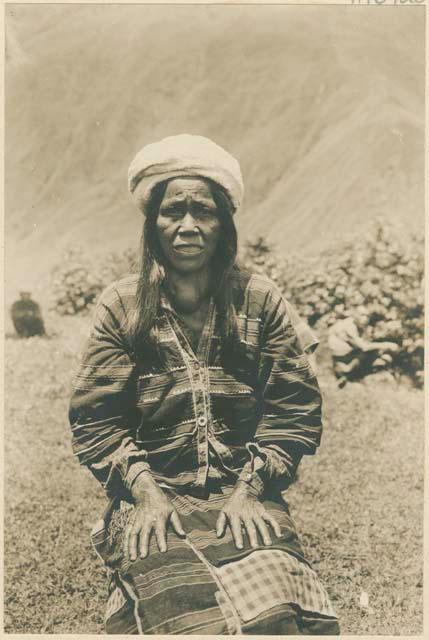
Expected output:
(188, 224)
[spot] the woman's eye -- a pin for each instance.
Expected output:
(205, 211)
(171, 212)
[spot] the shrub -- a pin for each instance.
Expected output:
(75, 284)
(378, 280)
(114, 265)
(260, 257)
(78, 279)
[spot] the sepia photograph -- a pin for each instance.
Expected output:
(214, 319)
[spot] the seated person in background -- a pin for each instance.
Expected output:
(27, 316)
(353, 356)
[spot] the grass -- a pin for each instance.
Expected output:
(358, 503)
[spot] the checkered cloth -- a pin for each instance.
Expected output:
(265, 579)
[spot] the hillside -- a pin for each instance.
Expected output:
(323, 106)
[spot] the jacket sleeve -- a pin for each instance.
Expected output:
(291, 423)
(306, 336)
(102, 408)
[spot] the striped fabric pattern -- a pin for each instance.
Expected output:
(188, 416)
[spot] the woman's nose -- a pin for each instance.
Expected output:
(188, 223)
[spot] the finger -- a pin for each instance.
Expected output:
(133, 543)
(161, 535)
(273, 522)
(221, 524)
(176, 524)
(126, 541)
(237, 534)
(251, 532)
(144, 541)
(263, 530)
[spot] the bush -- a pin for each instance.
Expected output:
(377, 280)
(260, 257)
(79, 278)
(75, 284)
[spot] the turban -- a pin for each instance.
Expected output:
(180, 156)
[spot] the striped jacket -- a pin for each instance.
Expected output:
(190, 417)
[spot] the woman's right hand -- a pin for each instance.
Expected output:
(153, 511)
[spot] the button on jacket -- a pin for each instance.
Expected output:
(190, 416)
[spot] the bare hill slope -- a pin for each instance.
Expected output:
(323, 106)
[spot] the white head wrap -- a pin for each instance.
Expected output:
(180, 156)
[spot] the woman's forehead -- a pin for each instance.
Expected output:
(186, 186)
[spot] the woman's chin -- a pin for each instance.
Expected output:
(187, 263)
(187, 267)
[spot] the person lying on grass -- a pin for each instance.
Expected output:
(193, 406)
(354, 357)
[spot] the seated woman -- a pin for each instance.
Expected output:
(193, 406)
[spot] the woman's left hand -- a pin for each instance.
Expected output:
(243, 511)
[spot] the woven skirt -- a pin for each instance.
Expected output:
(204, 585)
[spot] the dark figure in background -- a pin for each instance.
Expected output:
(27, 316)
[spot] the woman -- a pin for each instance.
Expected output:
(193, 406)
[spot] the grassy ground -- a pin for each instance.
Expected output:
(358, 504)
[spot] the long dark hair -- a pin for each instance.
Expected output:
(152, 273)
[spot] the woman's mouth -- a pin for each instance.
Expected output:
(188, 249)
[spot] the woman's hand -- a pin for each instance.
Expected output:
(243, 510)
(153, 511)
